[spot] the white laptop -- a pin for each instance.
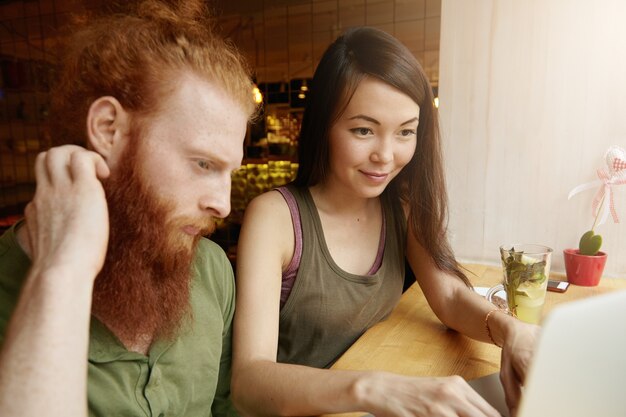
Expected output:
(580, 365)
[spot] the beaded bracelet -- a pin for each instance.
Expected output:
(487, 323)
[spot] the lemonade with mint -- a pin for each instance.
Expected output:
(525, 281)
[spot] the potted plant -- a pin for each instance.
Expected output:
(585, 265)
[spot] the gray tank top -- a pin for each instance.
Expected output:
(329, 308)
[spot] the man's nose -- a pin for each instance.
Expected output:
(216, 199)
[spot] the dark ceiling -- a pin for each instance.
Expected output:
(228, 7)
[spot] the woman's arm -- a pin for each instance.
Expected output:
(261, 386)
(461, 309)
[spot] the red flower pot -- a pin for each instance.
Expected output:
(585, 270)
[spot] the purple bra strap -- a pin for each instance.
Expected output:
(381, 248)
(297, 228)
(289, 275)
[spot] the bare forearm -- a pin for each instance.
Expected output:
(466, 311)
(43, 362)
(455, 304)
(269, 388)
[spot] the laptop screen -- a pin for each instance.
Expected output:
(579, 368)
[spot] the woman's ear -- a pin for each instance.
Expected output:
(108, 125)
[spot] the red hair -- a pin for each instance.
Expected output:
(135, 56)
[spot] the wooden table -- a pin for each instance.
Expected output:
(412, 341)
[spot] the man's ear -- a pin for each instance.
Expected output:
(108, 126)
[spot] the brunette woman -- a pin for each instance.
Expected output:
(322, 260)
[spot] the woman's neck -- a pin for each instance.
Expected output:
(343, 203)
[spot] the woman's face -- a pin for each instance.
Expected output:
(373, 140)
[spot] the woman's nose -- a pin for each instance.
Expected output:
(383, 152)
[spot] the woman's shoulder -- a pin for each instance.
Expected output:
(267, 216)
(269, 208)
(270, 200)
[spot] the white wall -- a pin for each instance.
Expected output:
(532, 93)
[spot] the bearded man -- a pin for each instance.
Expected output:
(111, 301)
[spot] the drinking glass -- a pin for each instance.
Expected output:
(525, 269)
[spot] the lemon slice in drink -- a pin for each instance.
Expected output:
(534, 294)
(531, 290)
(529, 300)
(529, 295)
(529, 260)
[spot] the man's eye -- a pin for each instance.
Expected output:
(203, 164)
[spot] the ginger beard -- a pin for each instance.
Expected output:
(142, 292)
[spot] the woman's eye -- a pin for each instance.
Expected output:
(361, 131)
(407, 132)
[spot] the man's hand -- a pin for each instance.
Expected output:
(47, 337)
(67, 220)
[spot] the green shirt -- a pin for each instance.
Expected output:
(189, 376)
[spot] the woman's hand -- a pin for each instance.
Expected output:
(388, 395)
(517, 354)
(67, 220)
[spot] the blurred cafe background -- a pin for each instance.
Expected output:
(531, 94)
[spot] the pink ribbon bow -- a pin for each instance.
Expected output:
(616, 175)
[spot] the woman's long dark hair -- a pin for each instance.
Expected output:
(370, 52)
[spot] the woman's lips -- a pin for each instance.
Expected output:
(375, 176)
